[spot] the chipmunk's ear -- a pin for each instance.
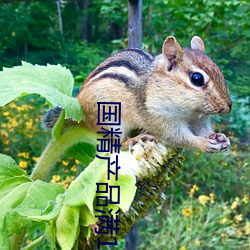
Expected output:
(171, 49)
(197, 43)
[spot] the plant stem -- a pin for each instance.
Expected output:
(56, 147)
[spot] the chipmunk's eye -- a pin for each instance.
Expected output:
(197, 79)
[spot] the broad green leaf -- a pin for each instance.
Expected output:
(39, 194)
(10, 201)
(9, 184)
(82, 190)
(53, 82)
(9, 168)
(45, 216)
(14, 198)
(84, 152)
(67, 226)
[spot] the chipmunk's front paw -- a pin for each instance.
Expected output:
(217, 142)
(141, 139)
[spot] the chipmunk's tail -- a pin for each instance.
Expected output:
(50, 117)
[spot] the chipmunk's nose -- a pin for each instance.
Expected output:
(227, 108)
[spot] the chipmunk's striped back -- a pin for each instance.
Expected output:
(124, 66)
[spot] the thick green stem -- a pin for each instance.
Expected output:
(57, 147)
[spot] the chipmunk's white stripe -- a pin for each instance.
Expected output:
(113, 71)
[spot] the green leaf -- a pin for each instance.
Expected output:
(39, 194)
(82, 190)
(53, 82)
(67, 226)
(14, 198)
(6, 186)
(82, 151)
(52, 215)
(20, 197)
(9, 168)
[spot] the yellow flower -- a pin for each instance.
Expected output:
(224, 164)
(29, 124)
(12, 105)
(35, 159)
(203, 199)
(14, 123)
(6, 141)
(6, 113)
(238, 218)
(55, 178)
(197, 242)
(234, 152)
(211, 195)
(23, 164)
(235, 203)
(183, 248)
(247, 227)
(70, 178)
(4, 134)
(193, 190)
(187, 211)
(223, 220)
(73, 168)
(245, 199)
(24, 154)
(77, 162)
(65, 163)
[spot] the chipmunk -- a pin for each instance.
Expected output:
(170, 96)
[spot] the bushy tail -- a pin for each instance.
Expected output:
(50, 118)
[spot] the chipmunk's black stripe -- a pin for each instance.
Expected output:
(142, 53)
(118, 77)
(118, 63)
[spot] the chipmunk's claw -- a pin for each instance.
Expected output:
(218, 142)
(141, 139)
